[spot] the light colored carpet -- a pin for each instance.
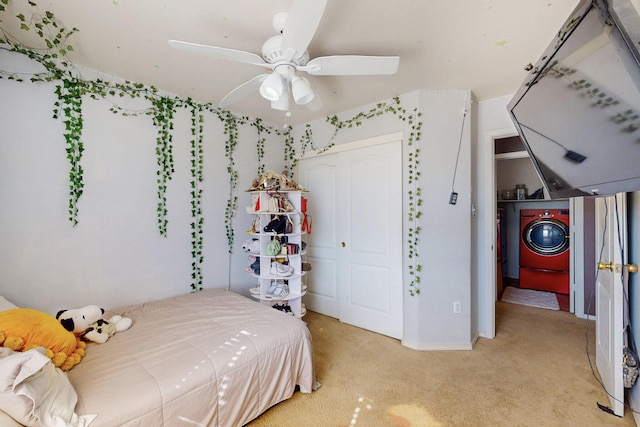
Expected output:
(531, 297)
(534, 373)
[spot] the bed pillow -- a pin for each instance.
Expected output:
(35, 393)
(22, 329)
(6, 304)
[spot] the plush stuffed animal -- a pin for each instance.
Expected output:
(101, 330)
(87, 322)
(251, 246)
(255, 265)
(22, 329)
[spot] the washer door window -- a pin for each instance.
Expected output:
(546, 237)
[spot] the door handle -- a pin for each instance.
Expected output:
(343, 244)
(631, 268)
(605, 266)
(609, 266)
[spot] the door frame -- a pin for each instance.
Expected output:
(489, 295)
(354, 145)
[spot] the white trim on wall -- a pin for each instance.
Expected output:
(362, 143)
(488, 294)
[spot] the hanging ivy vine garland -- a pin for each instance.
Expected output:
(197, 177)
(415, 201)
(163, 121)
(231, 130)
(262, 129)
(69, 103)
(68, 107)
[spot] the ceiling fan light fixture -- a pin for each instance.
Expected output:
(279, 21)
(282, 104)
(301, 90)
(286, 53)
(272, 87)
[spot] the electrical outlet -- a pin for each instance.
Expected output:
(457, 307)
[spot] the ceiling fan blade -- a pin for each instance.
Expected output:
(302, 23)
(352, 65)
(242, 91)
(221, 52)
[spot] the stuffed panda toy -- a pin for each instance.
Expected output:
(87, 323)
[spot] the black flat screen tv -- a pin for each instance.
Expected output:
(578, 111)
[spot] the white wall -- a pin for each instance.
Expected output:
(493, 122)
(115, 255)
(445, 244)
(511, 172)
(445, 240)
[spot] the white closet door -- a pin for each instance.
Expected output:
(356, 243)
(320, 176)
(370, 234)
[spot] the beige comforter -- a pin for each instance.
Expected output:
(212, 358)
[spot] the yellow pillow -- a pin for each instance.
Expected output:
(22, 329)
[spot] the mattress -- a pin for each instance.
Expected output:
(210, 358)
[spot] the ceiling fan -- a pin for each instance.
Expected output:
(286, 53)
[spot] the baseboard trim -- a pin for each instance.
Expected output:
(475, 340)
(440, 346)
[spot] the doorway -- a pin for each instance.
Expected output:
(580, 217)
(527, 260)
(355, 202)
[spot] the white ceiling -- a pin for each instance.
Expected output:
(481, 45)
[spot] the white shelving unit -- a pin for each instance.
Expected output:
(294, 236)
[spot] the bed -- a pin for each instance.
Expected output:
(211, 358)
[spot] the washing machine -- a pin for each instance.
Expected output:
(544, 250)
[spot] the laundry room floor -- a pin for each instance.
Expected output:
(563, 300)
